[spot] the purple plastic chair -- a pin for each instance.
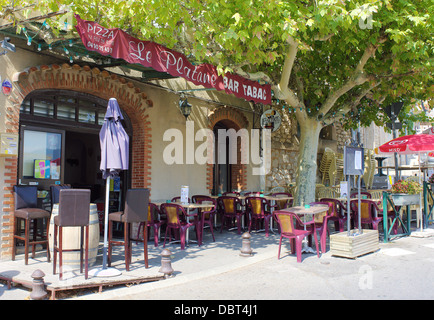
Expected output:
(362, 193)
(177, 220)
(230, 210)
(258, 210)
(367, 212)
(207, 215)
(321, 225)
(152, 222)
(281, 204)
(292, 228)
(339, 217)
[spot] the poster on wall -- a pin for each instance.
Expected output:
(42, 169)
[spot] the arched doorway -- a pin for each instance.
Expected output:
(227, 176)
(92, 82)
(222, 177)
(59, 132)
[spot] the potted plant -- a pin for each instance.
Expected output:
(431, 181)
(406, 192)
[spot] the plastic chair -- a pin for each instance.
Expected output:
(292, 228)
(152, 222)
(257, 210)
(73, 212)
(178, 199)
(339, 217)
(135, 211)
(25, 201)
(207, 216)
(231, 194)
(321, 223)
(362, 193)
(367, 208)
(230, 210)
(177, 219)
(281, 204)
(253, 194)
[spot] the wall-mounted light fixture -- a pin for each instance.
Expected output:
(7, 45)
(184, 106)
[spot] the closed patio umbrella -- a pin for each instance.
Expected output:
(114, 143)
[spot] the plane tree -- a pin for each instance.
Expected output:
(328, 61)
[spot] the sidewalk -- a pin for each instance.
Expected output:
(193, 263)
(214, 259)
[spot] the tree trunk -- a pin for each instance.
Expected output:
(307, 161)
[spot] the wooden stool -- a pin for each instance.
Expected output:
(136, 210)
(26, 199)
(73, 212)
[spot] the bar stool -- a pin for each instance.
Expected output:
(135, 210)
(26, 200)
(73, 212)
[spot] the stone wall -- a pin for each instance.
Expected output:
(285, 148)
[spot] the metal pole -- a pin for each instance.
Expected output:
(106, 214)
(348, 205)
(359, 204)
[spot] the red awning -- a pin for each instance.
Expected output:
(118, 44)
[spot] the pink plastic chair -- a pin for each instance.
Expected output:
(281, 204)
(321, 224)
(176, 220)
(287, 222)
(339, 217)
(258, 210)
(362, 193)
(152, 222)
(230, 207)
(367, 213)
(207, 216)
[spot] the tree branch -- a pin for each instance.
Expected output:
(358, 77)
(282, 90)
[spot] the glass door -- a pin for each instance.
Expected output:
(41, 158)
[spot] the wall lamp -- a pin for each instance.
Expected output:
(184, 106)
(7, 45)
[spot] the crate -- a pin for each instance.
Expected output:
(353, 246)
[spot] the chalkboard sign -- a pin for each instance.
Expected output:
(354, 163)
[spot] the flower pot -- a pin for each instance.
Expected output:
(403, 199)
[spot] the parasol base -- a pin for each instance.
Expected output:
(426, 233)
(104, 272)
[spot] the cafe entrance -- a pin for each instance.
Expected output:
(59, 144)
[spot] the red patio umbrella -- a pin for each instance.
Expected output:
(410, 144)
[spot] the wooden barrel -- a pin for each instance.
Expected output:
(71, 239)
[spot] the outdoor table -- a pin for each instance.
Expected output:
(313, 210)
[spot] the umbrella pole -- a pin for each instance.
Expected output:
(420, 202)
(104, 271)
(106, 213)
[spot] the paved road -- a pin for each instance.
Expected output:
(403, 269)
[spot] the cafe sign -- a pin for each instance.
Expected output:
(271, 119)
(120, 45)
